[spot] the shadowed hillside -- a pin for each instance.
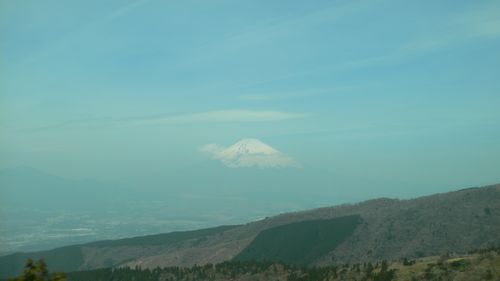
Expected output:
(300, 243)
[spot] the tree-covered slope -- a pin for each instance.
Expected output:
(61, 259)
(300, 243)
(479, 266)
(71, 258)
(163, 238)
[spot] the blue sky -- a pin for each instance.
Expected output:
(403, 95)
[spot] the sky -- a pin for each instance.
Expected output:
(376, 98)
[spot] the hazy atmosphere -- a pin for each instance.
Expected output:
(124, 118)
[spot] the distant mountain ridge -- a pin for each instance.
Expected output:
(388, 229)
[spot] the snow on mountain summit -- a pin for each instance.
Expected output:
(251, 146)
(249, 153)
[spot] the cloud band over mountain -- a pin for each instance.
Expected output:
(249, 153)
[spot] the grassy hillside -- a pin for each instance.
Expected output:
(300, 243)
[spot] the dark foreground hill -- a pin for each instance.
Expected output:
(483, 265)
(72, 258)
(384, 229)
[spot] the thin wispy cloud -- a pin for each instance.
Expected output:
(220, 116)
(125, 9)
(478, 24)
(263, 31)
(296, 94)
(206, 117)
(255, 97)
(248, 153)
(481, 23)
(79, 35)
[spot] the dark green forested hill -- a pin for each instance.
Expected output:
(300, 243)
(61, 259)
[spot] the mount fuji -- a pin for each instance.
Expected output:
(250, 153)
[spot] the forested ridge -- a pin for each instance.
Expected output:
(300, 243)
(477, 265)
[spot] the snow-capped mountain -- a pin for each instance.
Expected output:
(249, 153)
(250, 146)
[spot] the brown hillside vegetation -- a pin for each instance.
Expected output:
(390, 230)
(484, 265)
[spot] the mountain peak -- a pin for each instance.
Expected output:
(251, 146)
(249, 152)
